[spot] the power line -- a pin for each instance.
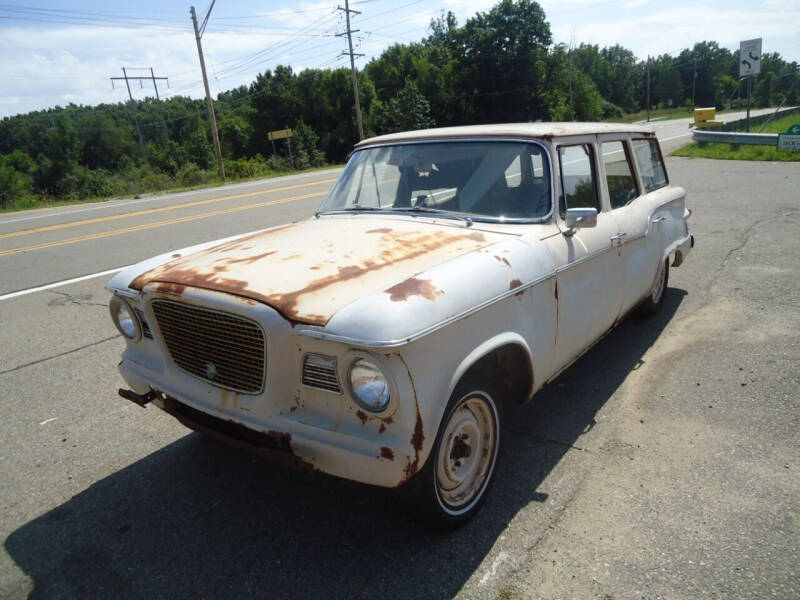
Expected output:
(349, 33)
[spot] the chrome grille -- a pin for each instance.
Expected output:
(225, 350)
(319, 371)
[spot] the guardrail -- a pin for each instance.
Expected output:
(732, 137)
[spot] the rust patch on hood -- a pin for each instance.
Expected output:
(174, 289)
(280, 267)
(413, 287)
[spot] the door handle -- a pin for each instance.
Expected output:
(619, 239)
(659, 219)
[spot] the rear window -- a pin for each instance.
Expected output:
(651, 165)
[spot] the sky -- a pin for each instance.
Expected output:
(54, 53)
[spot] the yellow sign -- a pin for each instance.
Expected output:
(279, 134)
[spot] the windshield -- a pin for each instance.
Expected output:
(494, 180)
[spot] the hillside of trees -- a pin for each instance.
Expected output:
(499, 66)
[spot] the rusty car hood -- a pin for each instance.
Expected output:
(309, 270)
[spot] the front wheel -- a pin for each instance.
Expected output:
(652, 304)
(451, 487)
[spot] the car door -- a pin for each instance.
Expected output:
(588, 276)
(639, 238)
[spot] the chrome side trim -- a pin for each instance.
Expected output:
(318, 334)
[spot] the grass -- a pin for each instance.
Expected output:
(779, 125)
(33, 202)
(725, 151)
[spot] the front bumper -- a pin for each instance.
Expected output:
(367, 451)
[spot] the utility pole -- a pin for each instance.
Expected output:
(160, 107)
(198, 34)
(694, 81)
(133, 105)
(569, 62)
(648, 88)
(152, 78)
(352, 55)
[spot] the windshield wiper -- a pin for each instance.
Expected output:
(437, 211)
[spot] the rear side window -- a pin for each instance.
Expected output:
(577, 177)
(622, 186)
(651, 165)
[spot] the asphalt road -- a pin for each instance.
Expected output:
(663, 464)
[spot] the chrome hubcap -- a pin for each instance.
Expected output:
(467, 452)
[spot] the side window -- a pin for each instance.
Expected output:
(651, 166)
(622, 186)
(579, 188)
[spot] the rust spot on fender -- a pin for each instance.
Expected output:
(296, 401)
(503, 260)
(380, 230)
(413, 287)
(362, 416)
(418, 436)
(514, 284)
(387, 453)
(176, 255)
(382, 428)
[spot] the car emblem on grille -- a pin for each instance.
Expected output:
(211, 370)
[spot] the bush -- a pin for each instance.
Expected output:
(14, 186)
(190, 174)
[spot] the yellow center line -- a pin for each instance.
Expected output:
(151, 211)
(113, 232)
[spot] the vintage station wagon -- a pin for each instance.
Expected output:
(449, 271)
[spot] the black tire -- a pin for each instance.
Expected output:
(435, 495)
(655, 299)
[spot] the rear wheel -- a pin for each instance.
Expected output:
(652, 304)
(451, 487)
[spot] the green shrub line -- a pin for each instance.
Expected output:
(136, 185)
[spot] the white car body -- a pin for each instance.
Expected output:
(423, 297)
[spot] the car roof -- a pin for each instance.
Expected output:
(508, 130)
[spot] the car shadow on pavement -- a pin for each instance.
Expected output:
(201, 519)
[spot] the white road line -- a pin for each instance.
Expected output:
(675, 137)
(59, 283)
(166, 197)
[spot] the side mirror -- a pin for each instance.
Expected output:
(577, 218)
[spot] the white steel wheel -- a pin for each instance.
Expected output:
(459, 470)
(466, 452)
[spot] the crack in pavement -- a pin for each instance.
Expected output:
(41, 360)
(79, 299)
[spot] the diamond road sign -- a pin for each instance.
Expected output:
(749, 57)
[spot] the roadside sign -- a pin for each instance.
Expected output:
(790, 140)
(749, 57)
(279, 134)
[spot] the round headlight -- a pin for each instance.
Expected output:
(369, 385)
(125, 319)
